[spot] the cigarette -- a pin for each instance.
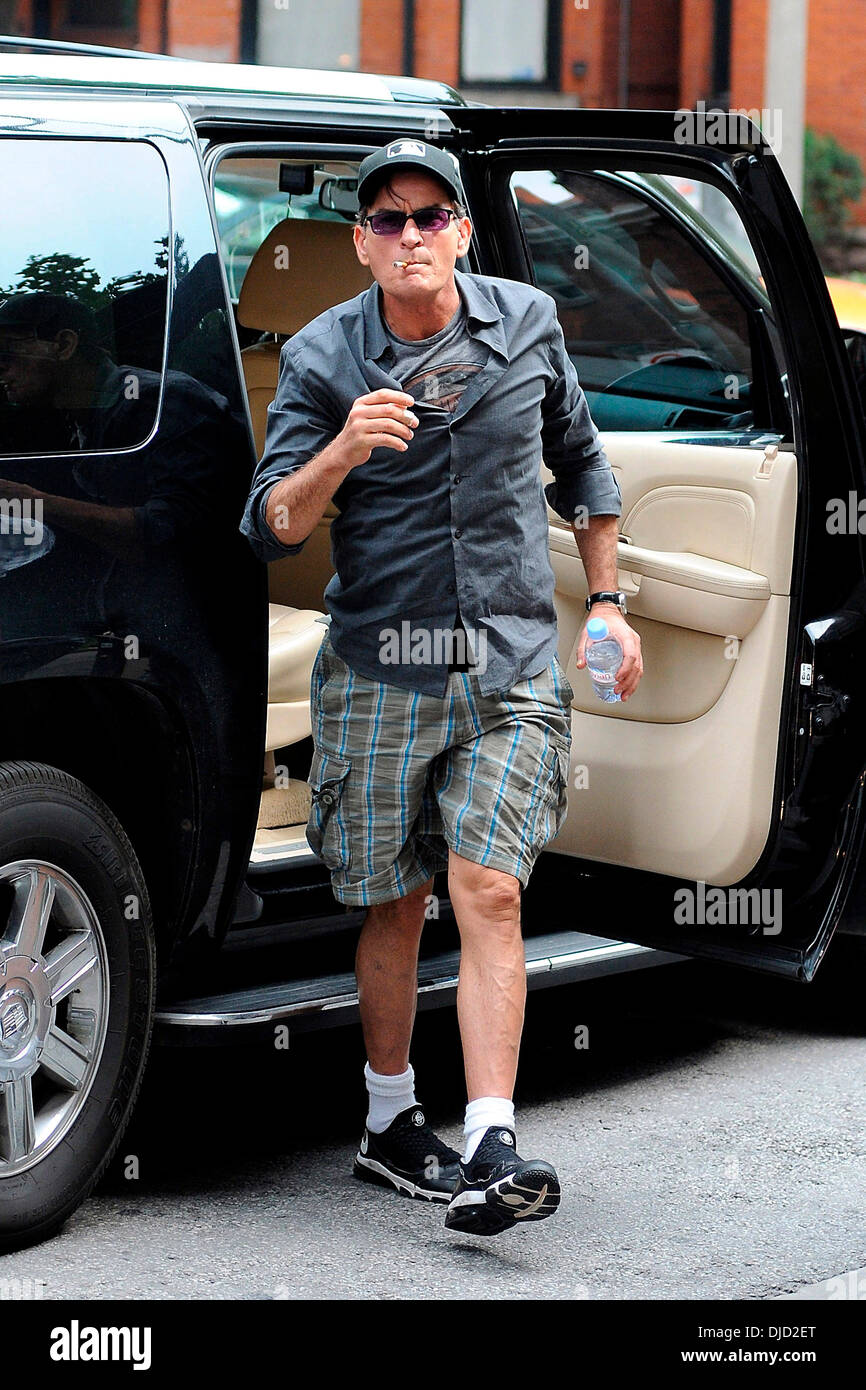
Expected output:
(401, 263)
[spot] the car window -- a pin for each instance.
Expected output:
(83, 293)
(249, 202)
(659, 338)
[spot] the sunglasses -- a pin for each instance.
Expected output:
(425, 219)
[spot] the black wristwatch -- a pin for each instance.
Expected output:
(608, 596)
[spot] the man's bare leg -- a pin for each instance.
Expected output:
(386, 967)
(491, 994)
(496, 1189)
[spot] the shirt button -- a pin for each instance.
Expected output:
(457, 477)
(457, 534)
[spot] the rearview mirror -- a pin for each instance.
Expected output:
(340, 196)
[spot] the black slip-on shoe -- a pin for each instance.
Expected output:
(497, 1189)
(409, 1157)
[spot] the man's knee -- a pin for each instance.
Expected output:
(494, 892)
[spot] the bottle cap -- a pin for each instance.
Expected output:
(596, 629)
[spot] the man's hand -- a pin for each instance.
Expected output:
(296, 504)
(631, 670)
(381, 418)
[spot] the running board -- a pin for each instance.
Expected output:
(556, 958)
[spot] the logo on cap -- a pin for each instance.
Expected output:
(404, 147)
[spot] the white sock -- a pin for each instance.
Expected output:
(388, 1096)
(482, 1114)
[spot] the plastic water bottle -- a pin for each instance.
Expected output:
(603, 660)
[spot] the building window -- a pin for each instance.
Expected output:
(101, 14)
(309, 34)
(506, 41)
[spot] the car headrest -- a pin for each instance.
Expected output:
(302, 268)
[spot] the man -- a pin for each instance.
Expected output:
(421, 407)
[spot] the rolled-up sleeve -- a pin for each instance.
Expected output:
(571, 446)
(299, 426)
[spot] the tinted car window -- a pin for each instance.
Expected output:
(83, 294)
(659, 339)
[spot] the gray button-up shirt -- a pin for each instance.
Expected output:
(460, 517)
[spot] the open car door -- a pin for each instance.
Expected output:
(720, 808)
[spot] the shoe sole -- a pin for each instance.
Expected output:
(368, 1170)
(530, 1193)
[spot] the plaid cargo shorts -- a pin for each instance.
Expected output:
(399, 777)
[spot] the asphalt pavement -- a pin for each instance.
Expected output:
(710, 1139)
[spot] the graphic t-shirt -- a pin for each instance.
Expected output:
(436, 372)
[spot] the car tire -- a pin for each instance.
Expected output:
(77, 986)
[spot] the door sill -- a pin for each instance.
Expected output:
(283, 848)
(555, 958)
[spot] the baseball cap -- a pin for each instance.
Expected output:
(406, 154)
(46, 314)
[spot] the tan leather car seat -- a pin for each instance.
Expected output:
(301, 268)
(294, 636)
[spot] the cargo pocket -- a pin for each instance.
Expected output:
(327, 830)
(553, 792)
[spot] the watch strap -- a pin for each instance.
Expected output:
(615, 596)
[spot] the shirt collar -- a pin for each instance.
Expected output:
(483, 316)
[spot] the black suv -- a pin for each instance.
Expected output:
(168, 225)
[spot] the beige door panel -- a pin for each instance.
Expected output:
(737, 506)
(718, 521)
(693, 800)
(679, 779)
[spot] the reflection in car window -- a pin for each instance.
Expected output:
(659, 339)
(83, 294)
(103, 516)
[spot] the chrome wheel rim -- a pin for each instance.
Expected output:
(54, 991)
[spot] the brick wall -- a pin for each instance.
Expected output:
(836, 77)
(654, 78)
(748, 52)
(209, 29)
(835, 70)
(590, 35)
(437, 40)
(696, 52)
(150, 26)
(381, 36)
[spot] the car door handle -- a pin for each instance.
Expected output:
(676, 567)
(694, 571)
